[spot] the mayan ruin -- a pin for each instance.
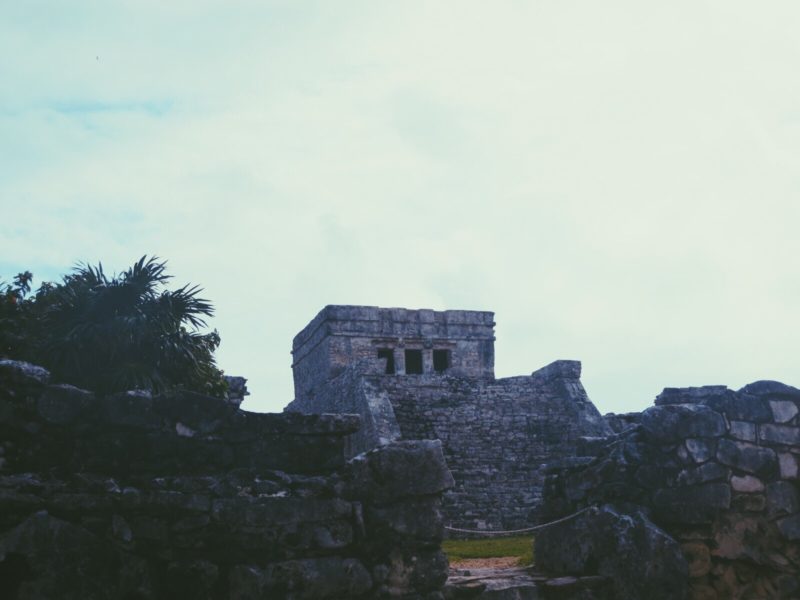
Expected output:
(424, 374)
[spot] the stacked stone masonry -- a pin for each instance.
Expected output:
(718, 471)
(497, 434)
(130, 496)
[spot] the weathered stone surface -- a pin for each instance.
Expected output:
(701, 449)
(673, 422)
(497, 584)
(413, 468)
(19, 373)
(790, 527)
(194, 579)
(789, 465)
(747, 484)
(64, 404)
(742, 430)
(51, 558)
(640, 559)
(306, 579)
(783, 411)
(770, 388)
(732, 535)
(698, 557)
(691, 395)
(559, 369)
(692, 504)
(782, 498)
(749, 502)
(705, 473)
(780, 434)
(747, 457)
(735, 510)
(742, 407)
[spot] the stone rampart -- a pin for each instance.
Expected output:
(136, 497)
(715, 469)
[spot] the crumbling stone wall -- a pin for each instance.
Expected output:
(134, 497)
(497, 434)
(718, 471)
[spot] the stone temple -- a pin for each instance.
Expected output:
(425, 374)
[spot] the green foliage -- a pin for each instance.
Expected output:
(520, 546)
(114, 333)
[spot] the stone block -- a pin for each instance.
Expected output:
(705, 473)
(640, 559)
(698, 557)
(789, 466)
(420, 519)
(770, 388)
(64, 404)
(749, 502)
(131, 409)
(783, 411)
(747, 484)
(191, 579)
(22, 374)
(733, 536)
(701, 449)
(742, 407)
(559, 369)
(57, 559)
(675, 422)
(691, 395)
(790, 527)
(747, 457)
(306, 579)
(779, 434)
(694, 504)
(782, 498)
(742, 430)
(399, 470)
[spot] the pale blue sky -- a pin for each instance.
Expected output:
(618, 181)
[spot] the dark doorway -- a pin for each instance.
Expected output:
(441, 360)
(388, 355)
(414, 362)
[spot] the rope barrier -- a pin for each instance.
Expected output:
(526, 530)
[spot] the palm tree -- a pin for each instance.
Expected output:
(125, 331)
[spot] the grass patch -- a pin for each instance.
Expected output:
(520, 546)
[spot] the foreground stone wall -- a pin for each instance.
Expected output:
(715, 469)
(135, 497)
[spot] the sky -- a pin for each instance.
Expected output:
(618, 181)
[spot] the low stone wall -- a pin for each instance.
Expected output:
(136, 497)
(715, 469)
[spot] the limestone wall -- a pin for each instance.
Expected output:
(718, 471)
(497, 435)
(343, 336)
(136, 497)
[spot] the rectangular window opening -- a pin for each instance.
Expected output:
(414, 362)
(441, 360)
(388, 355)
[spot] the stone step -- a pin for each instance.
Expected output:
(521, 584)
